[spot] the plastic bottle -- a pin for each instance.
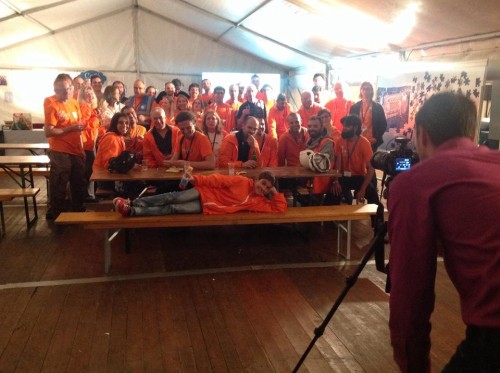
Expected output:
(185, 178)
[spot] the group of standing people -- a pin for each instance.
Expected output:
(250, 130)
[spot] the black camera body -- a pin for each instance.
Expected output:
(395, 161)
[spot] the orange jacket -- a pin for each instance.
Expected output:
(111, 145)
(152, 155)
(229, 152)
(289, 149)
(269, 151)
(221, 194)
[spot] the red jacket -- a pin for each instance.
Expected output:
(221, 194)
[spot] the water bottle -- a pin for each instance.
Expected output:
(185, 178)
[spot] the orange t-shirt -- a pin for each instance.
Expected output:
(195, 149)
(61, 115)
(353, 155)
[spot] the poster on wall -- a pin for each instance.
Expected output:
(402, 96)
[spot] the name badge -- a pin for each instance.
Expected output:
(347, 173)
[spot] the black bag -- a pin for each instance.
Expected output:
(123, 163)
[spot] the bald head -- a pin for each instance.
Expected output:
(306, 99)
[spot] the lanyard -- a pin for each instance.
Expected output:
(190, 146)
(215, 137)
(363, 114)
(263, 142)
(350, 153)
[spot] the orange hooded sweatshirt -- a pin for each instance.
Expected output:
(221, 194)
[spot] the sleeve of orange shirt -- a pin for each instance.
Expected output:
(271, 153)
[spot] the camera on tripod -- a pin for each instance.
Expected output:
(395, 161)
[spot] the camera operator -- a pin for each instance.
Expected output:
(448, 204)
(353, 153)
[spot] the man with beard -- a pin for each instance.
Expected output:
(241, 147)
(320, 142)
(353, 153)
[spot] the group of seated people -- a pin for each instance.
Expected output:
(250, 130)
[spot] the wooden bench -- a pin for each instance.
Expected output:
(10, 194)
(110, 220)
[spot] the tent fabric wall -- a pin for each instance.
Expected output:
(164, 51)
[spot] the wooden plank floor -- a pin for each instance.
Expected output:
(222, 299)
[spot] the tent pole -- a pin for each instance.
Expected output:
(135, 23)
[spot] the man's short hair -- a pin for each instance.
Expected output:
(185, 115)
(318, 118)
(324, 111)
(447, 115)
(281, 97)
(94, 77)
(177, 83)
(320, 75)
(219, 88)
(193, 85)
(62, 78)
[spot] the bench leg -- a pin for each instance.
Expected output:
(107, 248)
(341, 228)
(2, 219)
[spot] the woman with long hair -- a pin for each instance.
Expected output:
(373, 121)
(212, 127)
(167, 103)
(88, 108)
(198, 109)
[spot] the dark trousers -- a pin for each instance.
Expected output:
(479, 352)
(354, 183)
(66, 168)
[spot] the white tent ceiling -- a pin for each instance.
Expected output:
(190, 36)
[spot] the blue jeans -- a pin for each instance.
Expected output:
(183, 202)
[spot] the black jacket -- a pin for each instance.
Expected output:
(379, 122)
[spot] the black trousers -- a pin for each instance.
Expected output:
(479, 352)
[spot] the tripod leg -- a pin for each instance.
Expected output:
(376, 245)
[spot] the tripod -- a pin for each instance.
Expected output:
(376, 247)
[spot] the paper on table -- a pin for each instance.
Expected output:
(174, 169)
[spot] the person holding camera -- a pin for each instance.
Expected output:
(353, 153)
(448, 205)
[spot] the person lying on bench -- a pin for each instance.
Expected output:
(213, 194)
